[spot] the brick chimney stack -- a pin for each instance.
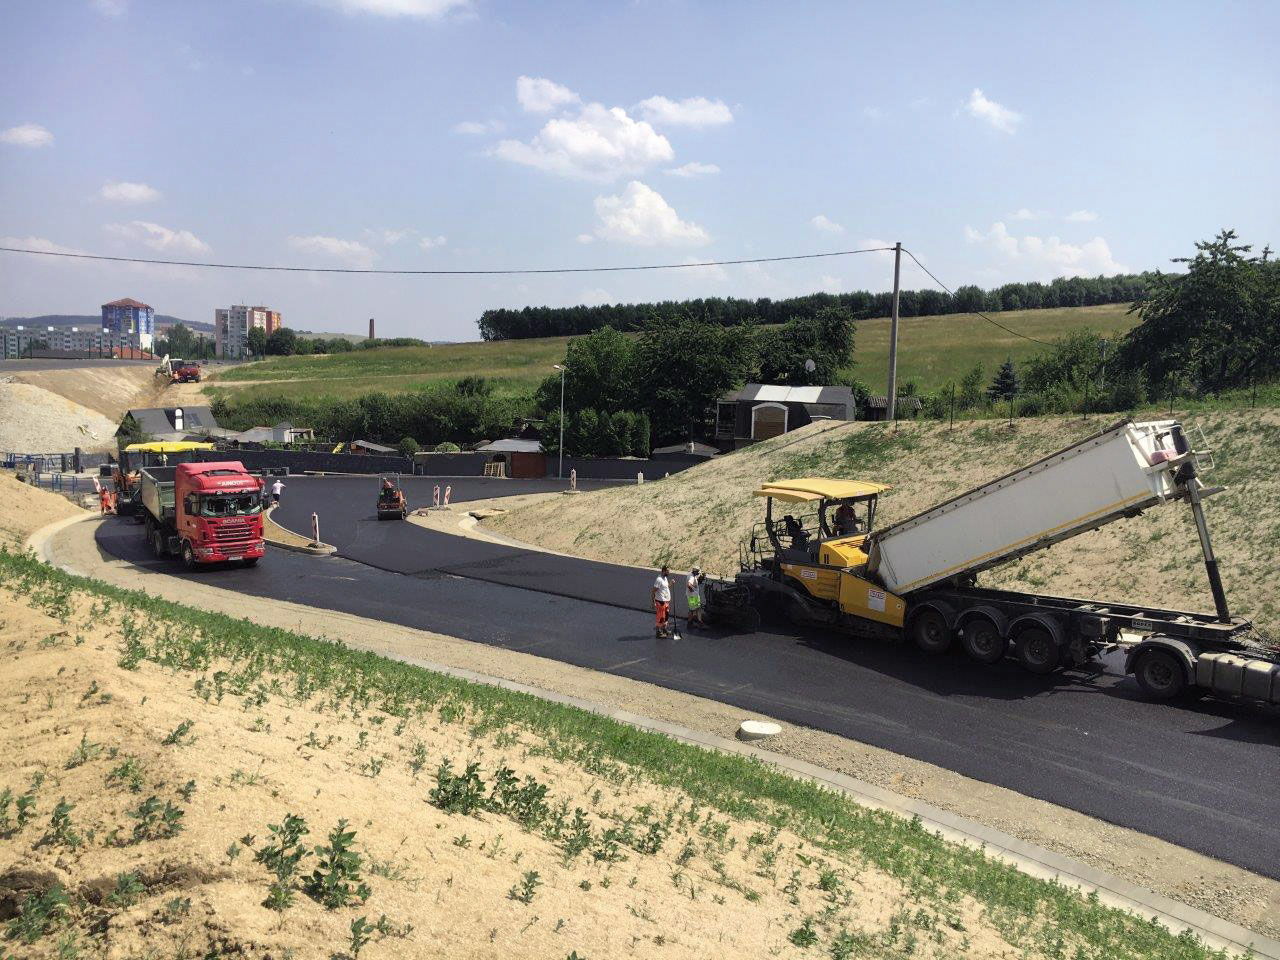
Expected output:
(371, 336)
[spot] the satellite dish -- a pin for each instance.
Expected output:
(810, 366)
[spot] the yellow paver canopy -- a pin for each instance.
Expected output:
(177, 446)
(818, 488)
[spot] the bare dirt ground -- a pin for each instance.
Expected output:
(26, 509)
(153, 796)
(35, 420)
(1218, 888)
(108, 391)
(702, 514)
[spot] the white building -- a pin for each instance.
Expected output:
(231, 326)
(18, 339)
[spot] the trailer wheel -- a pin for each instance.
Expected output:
(1037, 651)
(930, 632)
(157, 542)
(982, 641)
(1160, 675)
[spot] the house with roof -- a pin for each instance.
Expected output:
(759, 411)
(877, 408)
(168, 423)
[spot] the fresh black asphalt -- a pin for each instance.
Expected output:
(1203, 775)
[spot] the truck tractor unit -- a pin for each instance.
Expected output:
(817, 558)
(203, 512)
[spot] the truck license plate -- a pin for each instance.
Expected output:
(234, 557)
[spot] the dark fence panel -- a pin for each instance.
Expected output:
(300, 461)
(619, 468)
(450, 464)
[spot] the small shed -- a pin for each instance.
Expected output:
(286, 432)
(524, 459)
(368, 446)
(877, 408)
(762, 410)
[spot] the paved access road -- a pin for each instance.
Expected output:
(1200, 775)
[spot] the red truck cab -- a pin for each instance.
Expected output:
(218, 512)
(187, 372)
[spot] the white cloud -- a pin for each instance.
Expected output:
(831, 284)
(158, 238)
(586, 238)
(641, 217)
(1047, 256)
(430, 243)
(820, 222)
(416, 9)
(595, 296)
(693, 169)
(598, 144)
(125, 192)
(994, 114)
(1025, 213)
(1081, 216)
(540, 95)
(350, 252)
(392, 237)
(27, 135)
(37, 243)
(690, 112)
(111, 8)
(477, 127)
(873, 113)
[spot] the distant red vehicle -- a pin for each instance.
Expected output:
(203, 512)
(187, 372)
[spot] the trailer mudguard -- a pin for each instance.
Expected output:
(1186, 653)
(1048, 623)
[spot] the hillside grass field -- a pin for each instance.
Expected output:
(931, 351)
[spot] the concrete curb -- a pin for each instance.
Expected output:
(312, 549)
(1027, 857)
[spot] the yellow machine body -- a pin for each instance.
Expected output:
(835, 576)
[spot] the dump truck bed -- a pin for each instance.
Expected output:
(157, 492)
(1118, 472)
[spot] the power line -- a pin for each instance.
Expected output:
(976, 313)
(440, 273)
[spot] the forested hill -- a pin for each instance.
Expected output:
(530, 322)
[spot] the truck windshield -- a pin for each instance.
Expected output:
(238, 505)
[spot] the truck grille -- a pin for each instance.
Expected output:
(234, 536)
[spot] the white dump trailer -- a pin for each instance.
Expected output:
(1117, 473)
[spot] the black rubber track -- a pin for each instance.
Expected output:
(1203, 775)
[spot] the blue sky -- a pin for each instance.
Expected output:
(999, 141)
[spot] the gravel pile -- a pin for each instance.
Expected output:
(34, 420)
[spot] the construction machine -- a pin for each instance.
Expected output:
(818, 559)
(391, 502)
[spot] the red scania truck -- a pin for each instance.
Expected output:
(203, 512)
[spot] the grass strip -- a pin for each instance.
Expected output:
(1042, 916)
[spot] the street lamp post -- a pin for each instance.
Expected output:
(560, 471)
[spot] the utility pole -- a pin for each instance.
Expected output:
(560, 471)
(892, 412)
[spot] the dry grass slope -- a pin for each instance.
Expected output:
(701, 515)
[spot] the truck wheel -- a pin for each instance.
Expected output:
(1160, 675)
(930, 632)
(1037, 652)
(188, 557)
(982, 641)
(157, 542)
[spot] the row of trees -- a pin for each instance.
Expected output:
(181, 341)
(506, 324)
(431, 417)
(670, 376)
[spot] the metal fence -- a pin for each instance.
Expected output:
(67, 484)
(52, 462)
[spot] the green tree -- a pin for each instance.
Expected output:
(970, 394)
(823, 342)
(682, 367)
(599, 374)
(181, 342)
(1005, 383)
(1218, 323)
(257, 342)
(283, 342)
(407, 447)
